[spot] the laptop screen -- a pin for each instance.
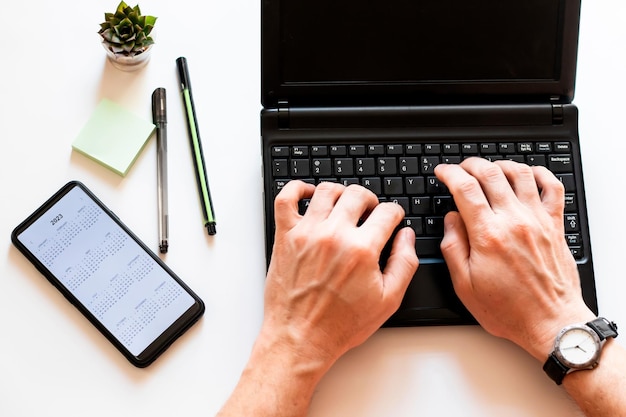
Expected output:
(435, 46)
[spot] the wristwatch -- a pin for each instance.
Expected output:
(578, 347)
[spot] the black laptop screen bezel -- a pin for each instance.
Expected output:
(276, 90)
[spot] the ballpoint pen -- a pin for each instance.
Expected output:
(196, 147)
(159, 117)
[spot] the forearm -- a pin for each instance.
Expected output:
(276, 382)
(600, 392)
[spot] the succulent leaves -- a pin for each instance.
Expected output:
(127, 32)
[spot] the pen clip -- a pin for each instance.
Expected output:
(183, 73)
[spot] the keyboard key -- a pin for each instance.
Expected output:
(413, 149)
(536, 160)
(300, 151)
(322, 167)
(408, 165)
(428, 164)
(414, 185)
(421, 205)
(402, 201)
(443, 204)
(395, 149)
(544, 147)
(434, 226)
(356, 150)
(515, 158)
(488, 148)
(300, 168)
(560, 163)
(451, 148)
(349, 181)
(506, 148)
(279, 185)
(571, 223)
(427, 247)
(451, 159)
(281, 168)
(319, 150)
(525, 147)
(344, 167)
(338, 150)
(393, 186)
(573, 239)
(434, 186)
(387, 166)
(492, 158)
(563, 147)
(280, 151)
(568, 182)
(415, 223)
(577, 252)
(303, 205)
(571, 206)
(365, 166)
(375, 150)
(372, 184)
(469, 149)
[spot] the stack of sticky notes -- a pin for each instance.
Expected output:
(113, 137)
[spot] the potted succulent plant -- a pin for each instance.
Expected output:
(126, 37)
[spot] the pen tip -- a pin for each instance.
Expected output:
(210, 227)
(163, 247)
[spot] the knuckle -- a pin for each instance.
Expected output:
(469, 185)
(491, 172)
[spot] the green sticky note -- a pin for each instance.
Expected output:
(113, 137)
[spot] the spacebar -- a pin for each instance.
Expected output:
(428, 247)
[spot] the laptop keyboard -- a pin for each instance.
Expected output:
(404, 174)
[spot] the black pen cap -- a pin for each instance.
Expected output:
(159, 108)
(183, 73)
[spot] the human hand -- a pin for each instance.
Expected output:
(325, 292)
(509, 262)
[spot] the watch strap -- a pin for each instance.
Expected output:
(603, 328)
(555, 369)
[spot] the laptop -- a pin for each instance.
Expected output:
(379, 92)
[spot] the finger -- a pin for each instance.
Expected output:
(323, 200)
(400, 268)
(286, 213)
(381, 223)
(469, 197)
(522, 180)
(353, 205)
(552, 191)
(455, 248)
(492, 180)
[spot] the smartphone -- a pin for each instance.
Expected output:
(110, 275)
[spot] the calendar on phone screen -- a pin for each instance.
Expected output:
(114, 278)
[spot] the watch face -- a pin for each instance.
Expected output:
(578, 347)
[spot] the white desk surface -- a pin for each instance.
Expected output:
(53, 361)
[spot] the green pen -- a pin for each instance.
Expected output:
(196, 147)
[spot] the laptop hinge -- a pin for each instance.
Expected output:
(283, 114)
(557, 111)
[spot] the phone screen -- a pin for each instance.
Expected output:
(108, 273)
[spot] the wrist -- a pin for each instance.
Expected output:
(288, 356)
(276, 381)
(541, 343)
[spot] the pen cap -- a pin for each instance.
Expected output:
(159, 109)
(183, 72)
